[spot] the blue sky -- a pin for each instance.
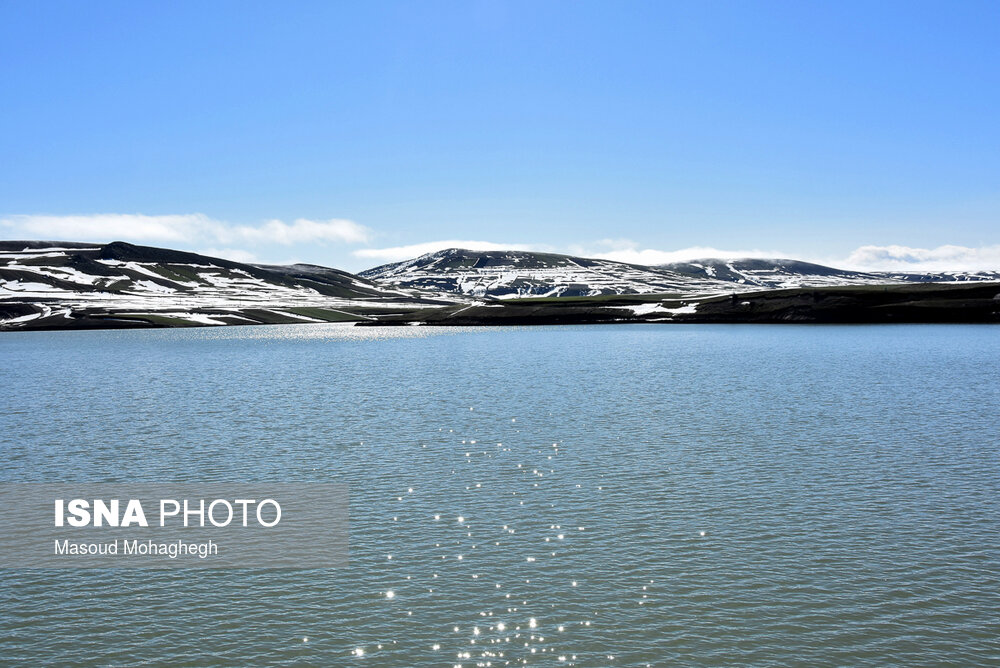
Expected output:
(348, 134)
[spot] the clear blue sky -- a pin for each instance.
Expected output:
(807, 128)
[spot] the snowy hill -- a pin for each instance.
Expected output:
(511, 274)
(55, 284)
(46, 285)
(795, 273)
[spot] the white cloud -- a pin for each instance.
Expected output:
(652, 256)
(864, 258)
(195, 228)
(626, 250)
(397, 253)
(942, 258)
(111, 226)
(302, 230)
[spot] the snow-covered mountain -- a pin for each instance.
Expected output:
(75, 285)
(56, 284)
(510, 274)
(795, 273)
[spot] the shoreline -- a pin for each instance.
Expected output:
(927, 303)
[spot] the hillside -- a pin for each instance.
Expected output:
(67, 285)
(782, 273)
(973, 302)
(72, 285)
(512, 274)
(517, 274)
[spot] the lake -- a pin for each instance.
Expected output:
(630, 495)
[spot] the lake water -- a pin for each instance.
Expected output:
(648, 495)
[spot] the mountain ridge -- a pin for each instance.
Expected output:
(513, 274)
(519, 274)
(74, 285)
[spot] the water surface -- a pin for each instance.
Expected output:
(630, 495)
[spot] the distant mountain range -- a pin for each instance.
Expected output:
(512, 274)
(51, 285)
(509, 274)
